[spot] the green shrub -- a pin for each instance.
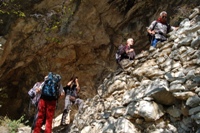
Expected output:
(11, 125)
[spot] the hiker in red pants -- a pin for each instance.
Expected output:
(45, 108)
(47, 104)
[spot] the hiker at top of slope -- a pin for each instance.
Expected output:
(159, 28)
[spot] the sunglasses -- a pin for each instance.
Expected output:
(164, 16)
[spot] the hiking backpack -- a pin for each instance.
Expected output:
(50, 89)
(34, 97)
(120, 53)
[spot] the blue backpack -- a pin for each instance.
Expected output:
(50, 89)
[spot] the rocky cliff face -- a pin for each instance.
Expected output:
(157, 92)
(77, 37)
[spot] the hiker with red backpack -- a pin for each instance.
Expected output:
(71, 97)
(51, 89)
(159, 28)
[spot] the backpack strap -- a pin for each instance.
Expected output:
(168, 27)
(29, 106)
(154, 25)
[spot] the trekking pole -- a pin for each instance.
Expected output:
(29, 106)
(34, 120)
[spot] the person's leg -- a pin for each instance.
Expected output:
(131, 55)
(154, 42)
(50, 110)
(66, 109)
(40, 116)
(80, 104)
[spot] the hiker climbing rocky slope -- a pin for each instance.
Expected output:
(73, 37)
(157, 92)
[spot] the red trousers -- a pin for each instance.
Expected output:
(46, 110)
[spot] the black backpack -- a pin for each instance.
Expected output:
(120, 53)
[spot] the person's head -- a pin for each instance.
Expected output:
(163, 15)
(130, 41)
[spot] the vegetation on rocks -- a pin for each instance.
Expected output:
(11, 126)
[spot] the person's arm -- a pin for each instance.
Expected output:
(62, 92)
(151, 28)
(174, 28)
(77, 85)
(38, 90)
(69, 83)
(129, 50)
(152, 32)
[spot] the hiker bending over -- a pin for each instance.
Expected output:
(71, 97)
(125, 51)
(47, 106)
(159, 28)
(130, 51)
